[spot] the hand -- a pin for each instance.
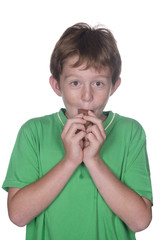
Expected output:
(72, 141)
(94, 139)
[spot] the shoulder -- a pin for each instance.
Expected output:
(130, 126)
(36, 124)
(123, 120)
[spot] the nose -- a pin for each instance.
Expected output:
(87, 94)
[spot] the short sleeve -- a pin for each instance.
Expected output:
(23, 167)
(137, 174)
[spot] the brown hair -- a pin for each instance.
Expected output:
(95, 46)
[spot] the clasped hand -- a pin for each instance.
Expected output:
(85, 144)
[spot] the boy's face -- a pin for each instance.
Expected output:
(84, 89)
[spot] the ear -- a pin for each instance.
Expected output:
(55, 85)
(115, 86)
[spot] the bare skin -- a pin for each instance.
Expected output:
(134, 210)
(86, 89)
(25, 204)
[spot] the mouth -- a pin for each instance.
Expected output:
(84, 111)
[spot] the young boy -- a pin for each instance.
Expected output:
(69, 181)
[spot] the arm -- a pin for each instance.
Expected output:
(134, 210)
(26, 203)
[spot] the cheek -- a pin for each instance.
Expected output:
(103, 97)
(102, 100)
(69, 97)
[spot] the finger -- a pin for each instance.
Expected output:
(91, 113)
(72, 131)
(86, 143)
(79, 136)
(96, 131)
(91, 138)
(71, 121)
(98, 122)
(79, 115)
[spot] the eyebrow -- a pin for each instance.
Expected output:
(71, 75)
(96, 76)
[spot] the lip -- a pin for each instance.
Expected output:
(86, 109)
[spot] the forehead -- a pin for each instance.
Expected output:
(69, 68)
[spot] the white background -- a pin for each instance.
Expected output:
(28, 32)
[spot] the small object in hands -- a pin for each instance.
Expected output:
(85, 112)
(88, 123)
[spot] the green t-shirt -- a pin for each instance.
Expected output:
(79, 211)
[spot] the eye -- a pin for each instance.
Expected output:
(99, 84)
(75, 83)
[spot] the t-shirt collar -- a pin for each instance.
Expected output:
(107, 123)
